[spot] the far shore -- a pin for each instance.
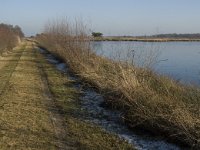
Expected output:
(121, 38)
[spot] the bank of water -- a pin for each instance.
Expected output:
(109, 120)
(178, 60)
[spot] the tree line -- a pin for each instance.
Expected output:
(10, 36)
(175, 35)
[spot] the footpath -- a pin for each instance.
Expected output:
(36, 104)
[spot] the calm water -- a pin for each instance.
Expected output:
(109, 120)
(179, 60)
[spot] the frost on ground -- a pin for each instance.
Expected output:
(109, 120)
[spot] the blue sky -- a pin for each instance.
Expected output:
(111, 17)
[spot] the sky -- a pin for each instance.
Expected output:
(111, 17)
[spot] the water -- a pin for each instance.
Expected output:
(108, 119)
(179, 60)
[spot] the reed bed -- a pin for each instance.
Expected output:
(148, 101)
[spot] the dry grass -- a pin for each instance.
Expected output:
(79, 134)
(148, 101)
(139, 39)
(24, 118)
(38, 105)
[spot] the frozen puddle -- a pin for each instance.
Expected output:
(61, 66)
(109, 120)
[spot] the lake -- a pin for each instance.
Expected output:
(179, 60)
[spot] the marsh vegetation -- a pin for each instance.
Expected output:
(148, 101)
(40, 103)
(10, 36)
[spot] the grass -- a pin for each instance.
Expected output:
(25, 122)
(38, 107)
(7, 66)
(80, 134)
(147, 100)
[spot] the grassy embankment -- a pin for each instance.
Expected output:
(148, 101)
(83, 134)
(121, 38)
(37, 105)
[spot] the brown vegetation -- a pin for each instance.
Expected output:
(145, 39)
(9, 36)
(80, 134)
(24, 117)
(148, 101)
(38, 105)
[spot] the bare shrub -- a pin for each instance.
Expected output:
(9, 36)
(147, 100)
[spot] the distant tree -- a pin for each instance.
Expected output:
(175, 35)
(97, 34)
(18, 31)
(9, 36)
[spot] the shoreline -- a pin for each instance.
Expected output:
(145, 40)
(146, 100)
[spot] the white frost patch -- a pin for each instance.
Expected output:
(43, 51)
(61, 67)
(49, 57)
(109, 119)
(52, 59)
(148, 144)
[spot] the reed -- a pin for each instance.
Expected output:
(148, 101)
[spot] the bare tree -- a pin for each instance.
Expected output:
(9, 36)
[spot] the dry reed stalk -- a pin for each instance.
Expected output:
(147, 100)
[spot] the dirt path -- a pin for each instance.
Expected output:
(26, 121)
(38, 106)
(56, 117)
(8, 63)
